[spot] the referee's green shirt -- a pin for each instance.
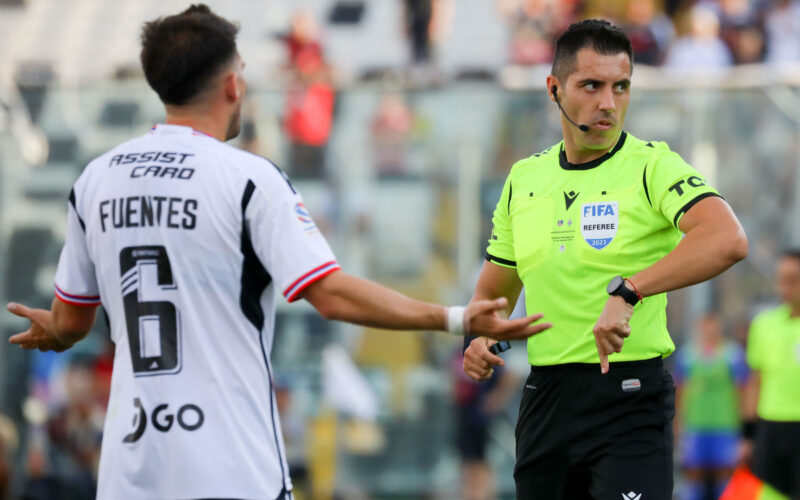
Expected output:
(569, 228)
(773, 347)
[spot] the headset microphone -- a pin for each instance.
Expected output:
(554, 90)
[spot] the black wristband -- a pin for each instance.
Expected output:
(748, 429)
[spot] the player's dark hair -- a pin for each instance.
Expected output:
(182, 53)
(600, 35)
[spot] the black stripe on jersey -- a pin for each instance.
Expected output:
(692, 203)
(255, 278)
(75, 207)
(492, 258)
(644, 182)
(508, 208)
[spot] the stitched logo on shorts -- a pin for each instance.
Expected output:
(630, 385)
(632, 496)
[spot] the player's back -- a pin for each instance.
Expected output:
(181, 268)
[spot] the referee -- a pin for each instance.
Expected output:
(772, 444)
(186, 241)
(592, 227)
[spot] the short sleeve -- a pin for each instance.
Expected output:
(501, 242)
(674, 186)
(286, 239)
(76, 281)
(755, 345)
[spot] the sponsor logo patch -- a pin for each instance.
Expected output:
(304, 217)
(631, 384)
(599, 222)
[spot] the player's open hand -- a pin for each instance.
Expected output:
(40, 334)
(481, 318)
(612, 328)
(479, 362)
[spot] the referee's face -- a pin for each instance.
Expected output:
(596, 94)
(789, 281)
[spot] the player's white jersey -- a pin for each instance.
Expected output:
(183, 239)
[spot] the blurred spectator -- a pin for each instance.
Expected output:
(701, 48)
(534, 26)
(8, 447)
(710, 374)
(422, 30)
(476, 405)
(310, 99)
(783, 32)
(294, 438)
(64, 453)
(532, 31)
(650, 32)
(741, 28)
(391, 134)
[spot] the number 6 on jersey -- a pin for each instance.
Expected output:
(153, 325)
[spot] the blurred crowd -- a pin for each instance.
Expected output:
(55, 455)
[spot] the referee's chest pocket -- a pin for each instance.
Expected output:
(605, 224)
(531, 222)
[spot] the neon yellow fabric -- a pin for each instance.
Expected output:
(568, 229)
(773, 348)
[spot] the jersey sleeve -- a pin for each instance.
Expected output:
(500, 250)
(76, 281)
(286, 239)
(674, 186)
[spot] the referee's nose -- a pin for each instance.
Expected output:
(608, 102)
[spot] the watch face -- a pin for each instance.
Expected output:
(614, 284)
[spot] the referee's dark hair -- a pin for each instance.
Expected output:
(792, 253)
(600, 35)
(182, 53)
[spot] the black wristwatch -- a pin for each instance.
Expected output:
(617, 287)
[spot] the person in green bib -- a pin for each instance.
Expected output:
(772, 443)
(710, 373)
(598, 228)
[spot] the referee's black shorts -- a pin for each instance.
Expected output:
(776, 456)
(585, 435)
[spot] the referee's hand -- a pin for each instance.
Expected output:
(478, 362)
(481, 318)
(612, 328)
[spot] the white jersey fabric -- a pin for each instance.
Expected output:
(183, 240)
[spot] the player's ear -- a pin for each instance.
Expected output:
(230, 84)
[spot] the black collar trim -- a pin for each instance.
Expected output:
(566, 165)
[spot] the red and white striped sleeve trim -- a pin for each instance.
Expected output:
(294, 290)
(77, 300)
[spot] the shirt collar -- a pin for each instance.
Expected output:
(566, 165)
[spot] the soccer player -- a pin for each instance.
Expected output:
(592, 227)
(773, 353)
(710, 374)
(183, 240)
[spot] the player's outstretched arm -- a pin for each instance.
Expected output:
(343, 297)
(54, 330)
(494, 281)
